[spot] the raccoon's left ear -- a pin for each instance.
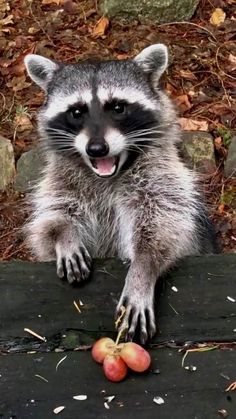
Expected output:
(40, 69)
(153, 60)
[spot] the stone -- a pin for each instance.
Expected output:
(28, 170)
(157, 10)
(7, 163)
(197, 149)
(230, 164)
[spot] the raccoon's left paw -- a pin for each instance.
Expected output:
(139, 313)
(73, 265)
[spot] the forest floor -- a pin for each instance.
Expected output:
(200, 79)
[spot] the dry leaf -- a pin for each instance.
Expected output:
(217, 17)
(123, 56)
(57, 2)
(182, 102)
(188, 124)
(187, 74)
(221, 208)
(7, 20)
(100, 27)
(23, 123)
(218, 143)
(18, 83)
(232, 61)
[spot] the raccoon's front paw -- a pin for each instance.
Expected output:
(73, 263)
(139, 313)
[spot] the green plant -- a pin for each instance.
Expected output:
(225, 134)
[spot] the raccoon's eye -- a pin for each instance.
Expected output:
(77, 111)
(118, 107)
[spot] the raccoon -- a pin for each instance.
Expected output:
(113, 182)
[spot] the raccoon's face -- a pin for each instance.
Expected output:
(106, 112)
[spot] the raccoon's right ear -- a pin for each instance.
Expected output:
(40, 69)
(153, 60)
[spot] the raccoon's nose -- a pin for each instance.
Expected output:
(97, 148)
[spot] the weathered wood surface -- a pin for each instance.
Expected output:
(187, 395)
(32, 296)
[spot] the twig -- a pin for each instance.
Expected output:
(231, 387)
(31, 332)
(218, 65)
(76, 306)
(4, 102)
(175, 311)
(118, 320)
(188, 23)
(38, 23)
(41, 377)
(205, 349)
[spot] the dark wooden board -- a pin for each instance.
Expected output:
(32, 296)
(187, 395)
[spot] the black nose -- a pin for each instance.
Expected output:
(96, 148)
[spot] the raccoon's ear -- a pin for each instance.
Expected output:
(153, 60)
(40, 69)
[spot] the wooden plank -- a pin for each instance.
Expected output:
(187, 395)
(32, 296)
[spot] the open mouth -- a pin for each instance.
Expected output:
(105, 166)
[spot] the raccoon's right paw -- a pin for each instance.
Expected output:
(73, 264)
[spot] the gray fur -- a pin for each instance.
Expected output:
(148, 213)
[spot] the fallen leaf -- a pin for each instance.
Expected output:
(23, 123)
(188, 124)
(100, 27)
(182, 102)
(187, 74)
(217, 17)
(57, 2)
(232, 62)
(18, 83)
(219, 109)
(221, 208)
(218, 143)
(7, 20)
(123, 56)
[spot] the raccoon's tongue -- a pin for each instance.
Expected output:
(105, 166)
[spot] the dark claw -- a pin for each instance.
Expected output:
(74, 267)
(61, 268)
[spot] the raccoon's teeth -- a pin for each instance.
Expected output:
(104, 166)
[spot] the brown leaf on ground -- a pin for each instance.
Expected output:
(221, 208)
(187, 74)
(100, 27)
(217, 17)
(123, 56)
(57, 2)
(218, 143)
(8, 20)
(182, 102)
(232, 63)
(23, 122)
(18, 83)
(188, 124)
